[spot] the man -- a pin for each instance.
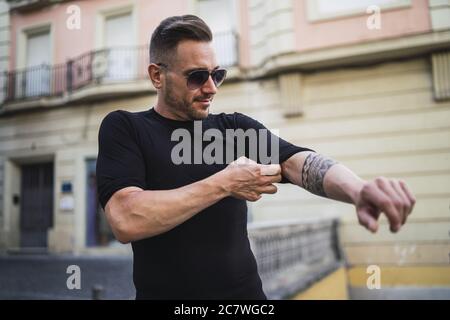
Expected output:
(187, 221)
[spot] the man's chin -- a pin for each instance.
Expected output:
(200, 114)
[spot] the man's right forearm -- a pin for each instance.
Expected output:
(137, 214)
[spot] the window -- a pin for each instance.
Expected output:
(35, 80)
(121, 57)
(220, 17)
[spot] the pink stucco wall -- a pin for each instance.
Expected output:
(71, 43)
(309, 35)
(352, 29)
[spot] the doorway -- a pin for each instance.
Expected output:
(36, 204)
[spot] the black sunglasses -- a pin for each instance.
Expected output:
(197, 78)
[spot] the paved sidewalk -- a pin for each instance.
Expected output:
(45, 277)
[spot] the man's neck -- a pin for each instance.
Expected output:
(168, 112)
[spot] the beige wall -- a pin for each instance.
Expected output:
(379, 120)
(69, 137)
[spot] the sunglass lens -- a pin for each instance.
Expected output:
(219, 76)
(197, 79)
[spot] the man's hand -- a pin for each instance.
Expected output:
(247, 180)
(390, 196)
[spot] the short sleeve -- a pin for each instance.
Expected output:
(120, 163)
(285, 148)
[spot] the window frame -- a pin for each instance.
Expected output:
(22, 42)
(104, 14)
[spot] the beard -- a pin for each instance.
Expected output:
(183, 106)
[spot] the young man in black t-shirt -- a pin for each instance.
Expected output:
(170, 184)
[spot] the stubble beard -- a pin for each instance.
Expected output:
(182, 106)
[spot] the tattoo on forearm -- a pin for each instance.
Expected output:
(313, 173)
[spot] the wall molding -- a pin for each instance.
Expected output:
(353, 54)
(291, 93)
(272, 29)
(441, 75)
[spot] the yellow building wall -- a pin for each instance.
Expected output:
(423, 279)
(332, 287)
(432, 276)
(379, 121)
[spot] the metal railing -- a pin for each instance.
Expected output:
(112, 65)
(293, 255)
(95, 67)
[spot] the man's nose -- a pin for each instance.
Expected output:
(209, 86)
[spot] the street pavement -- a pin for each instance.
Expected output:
(46, 277)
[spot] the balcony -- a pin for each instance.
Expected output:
(99, 74)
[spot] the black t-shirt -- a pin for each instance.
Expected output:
(207, 256)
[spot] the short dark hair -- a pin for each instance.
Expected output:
(172, 31)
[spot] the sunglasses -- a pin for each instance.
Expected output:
(197, 78)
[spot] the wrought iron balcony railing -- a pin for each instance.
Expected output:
(112, 65)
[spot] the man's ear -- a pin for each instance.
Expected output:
(154, 72)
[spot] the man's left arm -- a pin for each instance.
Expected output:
(325, 177)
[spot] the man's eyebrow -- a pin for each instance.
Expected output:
(186, 72)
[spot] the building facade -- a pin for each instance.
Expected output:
(365, 82)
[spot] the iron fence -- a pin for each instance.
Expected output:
(292, 255)
(111, 65)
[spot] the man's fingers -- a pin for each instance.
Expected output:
(367, 217)
(243, 160)
(396, 200)
(270, 169)
(406, 204)
(266, 180)
(253, 197)
(265, 169)
(270, 189)
(409, 194)
(374, 194)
